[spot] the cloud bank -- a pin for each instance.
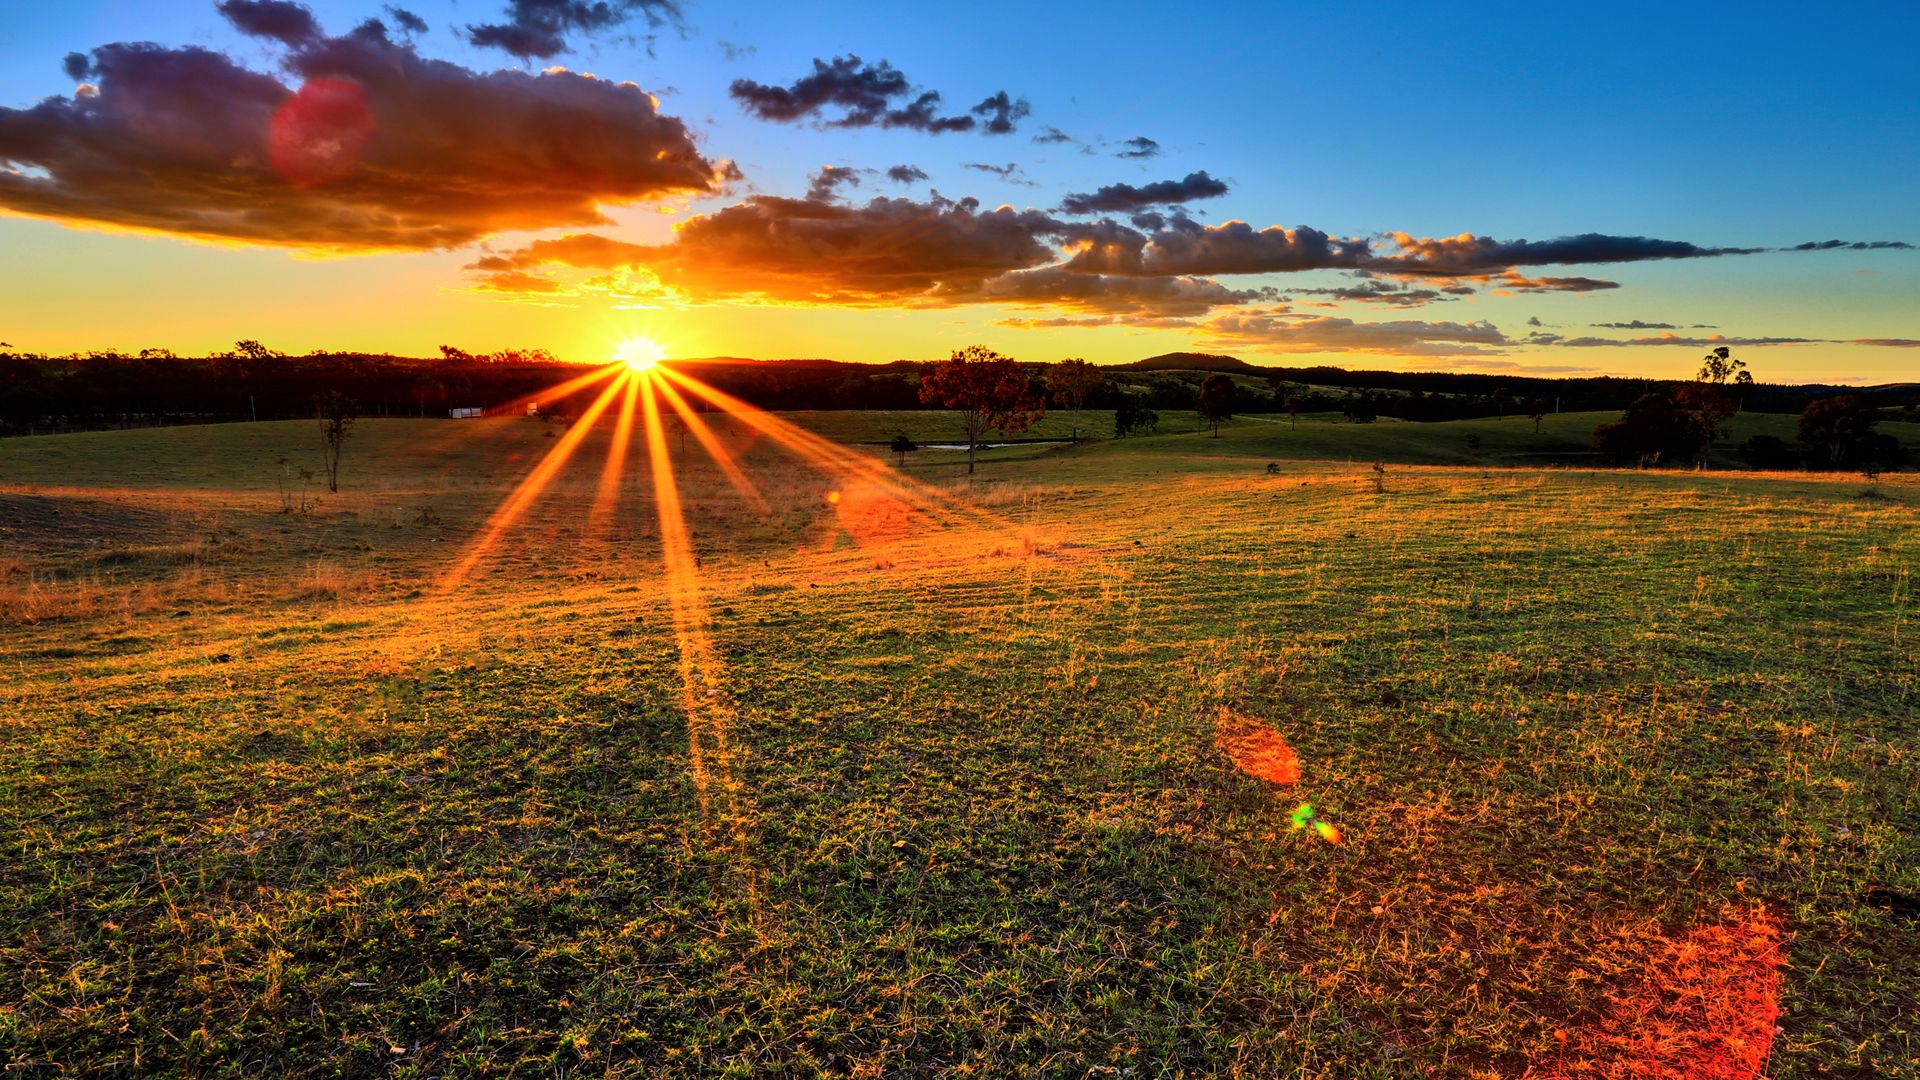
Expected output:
(371, 146)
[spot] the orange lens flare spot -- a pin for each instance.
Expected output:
(1256, 749)
(1705, 1008)
(833, 498)
(640, 353)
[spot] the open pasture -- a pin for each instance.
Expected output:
(1621, 765)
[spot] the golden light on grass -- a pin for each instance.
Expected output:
(640, 353)
(641, 391)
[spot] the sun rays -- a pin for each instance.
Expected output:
(640, 353)
(641, 396)
(639, 390)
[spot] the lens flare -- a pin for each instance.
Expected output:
(1304, 816)
(640, 353)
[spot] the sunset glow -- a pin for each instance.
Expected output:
(722, 538)
(640, 353)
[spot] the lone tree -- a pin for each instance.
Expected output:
(1708, 396)
(1215, 401)
(1657, 427)
(1537, 411)
(1129, 415)
(1293, 405)
(902, 446)
(989, 390)
(336, 413)
(1069, 382)
(1838, 434)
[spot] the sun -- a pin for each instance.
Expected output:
(640, 353)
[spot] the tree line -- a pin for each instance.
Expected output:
(1678, 424)
(252, 382)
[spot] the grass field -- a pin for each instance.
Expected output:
(1622, 764)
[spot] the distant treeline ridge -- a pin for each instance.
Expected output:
(40, 394)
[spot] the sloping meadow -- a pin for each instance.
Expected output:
(1617, 771)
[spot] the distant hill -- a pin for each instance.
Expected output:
(1192, 361)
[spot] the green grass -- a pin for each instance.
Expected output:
(271, 805)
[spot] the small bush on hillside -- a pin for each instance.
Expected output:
(1769, 452)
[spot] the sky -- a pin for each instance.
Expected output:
(1609, 189)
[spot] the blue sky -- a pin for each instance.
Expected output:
(1762, 126)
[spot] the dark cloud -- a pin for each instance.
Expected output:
(1467, 254)
(804, 251)
(1150, 220)
(1856, 245)
(1169, 297)
(830, 179)
(1010, 172)
(1139, 147)
(1178, 245)
(1053, 135)
(1512, 281)
(1185, 247)
(1125, 198)
(1887, 342)
(538, 29)
(379, 149)
(279, 20)
(906, 174)
(1708, 342)
(77, 66)
(1284, 332)
(1002, 113)
(1636, 324)
(896, 252)
(868, 95)
(1384, 293)
(407, 21)
(863, 90)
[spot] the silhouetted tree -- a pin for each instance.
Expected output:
(336, 413)
(253, 350)
(1537, 411)
(989, 390)
(902, 446)
(1655, 428)
(1769, 452)
(1069, 382)
(1838, 434)
(1718, 366)
(1360, 408)
(1215, 401)
(1708, 395)
(1130, 414)
(1293, 403)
